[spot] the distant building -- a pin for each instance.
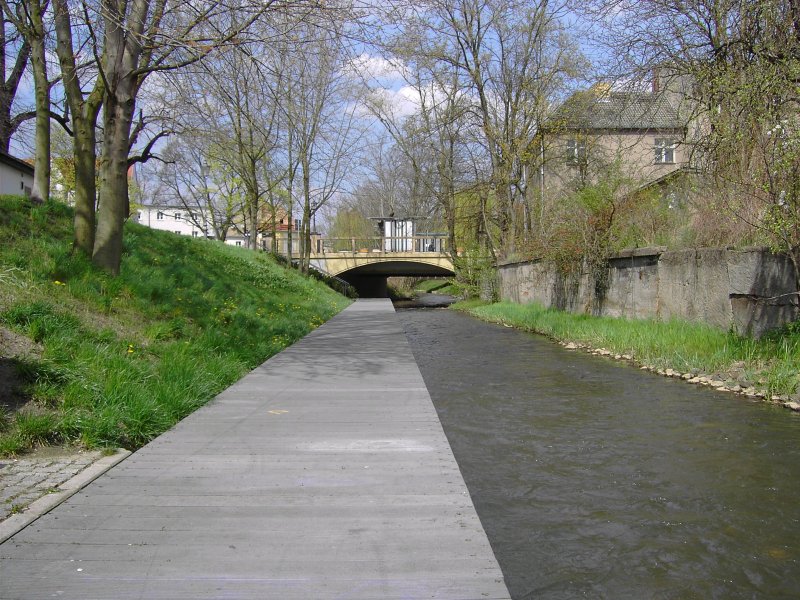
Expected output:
(177, 219)
(641, 134)
(278, 226)
(196, 223)
(16, 176)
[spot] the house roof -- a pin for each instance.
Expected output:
(15, 162)
(602, 108)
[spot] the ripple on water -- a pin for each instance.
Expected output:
(593, 479)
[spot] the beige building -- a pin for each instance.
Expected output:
(278, 227)
(636, 137)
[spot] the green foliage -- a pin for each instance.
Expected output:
(440, 286)
(351, 224)
(125, 358)
(476, 275)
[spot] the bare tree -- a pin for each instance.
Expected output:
(125, 43)
(84, 107)
(191, 177)
(431, 139)
(15, 52)
(320, 116)
(513, 57)
(29, 18)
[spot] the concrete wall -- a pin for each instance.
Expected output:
(748, 290)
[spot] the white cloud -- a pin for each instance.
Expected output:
(377, 69)
(399, 103)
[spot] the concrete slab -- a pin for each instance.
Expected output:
(322, 474)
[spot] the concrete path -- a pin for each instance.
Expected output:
(324, 473)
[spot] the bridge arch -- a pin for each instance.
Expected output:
(368, 272)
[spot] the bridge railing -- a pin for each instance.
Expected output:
(428, 243)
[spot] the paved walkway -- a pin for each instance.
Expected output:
(324, 473)
(23, 480)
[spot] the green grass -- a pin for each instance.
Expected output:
(772, 363)
(123, 359)
(439, 286)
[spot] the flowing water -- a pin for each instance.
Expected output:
(596, 480)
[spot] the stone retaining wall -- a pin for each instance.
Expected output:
(748, 290)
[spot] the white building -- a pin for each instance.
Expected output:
(16, 176)
(181, 221)
(176, 219)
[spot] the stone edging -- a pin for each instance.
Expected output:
(17, 522)
(716, 383)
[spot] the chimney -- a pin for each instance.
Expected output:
(656, 80)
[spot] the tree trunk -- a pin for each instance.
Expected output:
(274, 226)
(253, 206)
(41, 175)
(84, 120)
(289, 209)
(85, 164)
(305, 240)
(112, 209)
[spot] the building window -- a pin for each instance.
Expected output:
(177, 232)
(238, 243)
(195, 233)
(665, 151)
(177, 216)
(576, 152)
(159, 216)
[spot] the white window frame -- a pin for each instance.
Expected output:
(575, 151)
(664, 151)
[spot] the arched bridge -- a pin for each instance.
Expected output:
(366, 263)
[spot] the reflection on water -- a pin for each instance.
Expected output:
(426, 301)
(596, 480)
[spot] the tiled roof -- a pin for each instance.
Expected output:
(15, 162)
(595, 109)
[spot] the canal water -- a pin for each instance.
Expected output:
(594, 479)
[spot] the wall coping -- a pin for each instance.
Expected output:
(651, 251)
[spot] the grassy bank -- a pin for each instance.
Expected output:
(437, 286)
(768, 367)
(106, 362)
